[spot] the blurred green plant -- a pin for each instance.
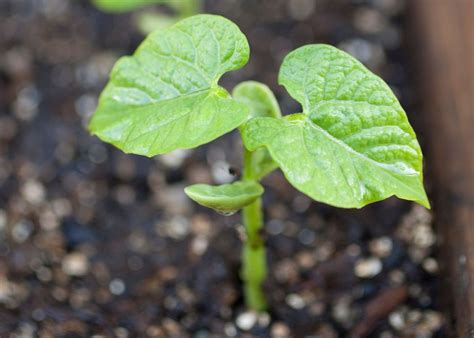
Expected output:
(151, 20)
(351, 145)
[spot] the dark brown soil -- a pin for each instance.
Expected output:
(94, 242)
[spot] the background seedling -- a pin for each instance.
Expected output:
(151, 20)
(350, 146)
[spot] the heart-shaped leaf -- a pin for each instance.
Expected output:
(226, 198)
(353, 144)
(262, 103)
(166, 95)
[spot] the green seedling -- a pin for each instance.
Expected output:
(350, 146)
(151, 20)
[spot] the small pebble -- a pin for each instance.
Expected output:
(44, 274)
(117, 286)
(423, 236)
(369, 53)
(264, 319)
(121, 332)
(325, 331)
(38, 314)
(275, 227)
(434, 320)
(199, 245)
(246, 320)
(301, 9)
(295, 301)
(368, 267)
(178, 227)
(286, 271)
(306, 260)
(97, 153)
(341, 311)
(301, 203)
(25, 106)
(280, 330)
(175, 158)
(386, 334)
(430, 265)
(306, 236)
(353, 250)
(369, 21)
(3, 220)
(381, 247)
(124, 194)
(397, 277)
(21, 231)
(220, 172)
(230, 330)
(33, 192)
(396, 320)
(75, 264)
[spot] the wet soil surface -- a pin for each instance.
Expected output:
(94, 242)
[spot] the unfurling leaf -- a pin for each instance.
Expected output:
(353, 144)
(227, 198)
(166, 95)
(258, 97)
(262, 103)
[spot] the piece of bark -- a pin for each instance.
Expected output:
(377, 309)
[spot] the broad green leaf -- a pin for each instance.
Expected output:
(166, 95)
(353, 144)
(124, 5)
(262, 103)
(227, 198)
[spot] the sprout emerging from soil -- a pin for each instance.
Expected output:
(350, 146)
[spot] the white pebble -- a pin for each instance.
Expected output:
(246, 320)
(75, 264)
(117, 286)
(175, 158)
(33, 192)
(430, 265)
(381, 247)
(396, 320)
(295, 301)
(368, 267)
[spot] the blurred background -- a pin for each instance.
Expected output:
(94, 242)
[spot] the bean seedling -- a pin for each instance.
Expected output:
(350, 146)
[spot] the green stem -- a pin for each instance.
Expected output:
(254, 265)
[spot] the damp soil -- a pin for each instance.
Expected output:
(94, 242)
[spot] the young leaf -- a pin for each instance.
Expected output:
(166, 95)
(258, 97)
(262, 103)
(353, 144)
(226, 198)
(124, 5)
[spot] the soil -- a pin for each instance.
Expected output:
(94, 242)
